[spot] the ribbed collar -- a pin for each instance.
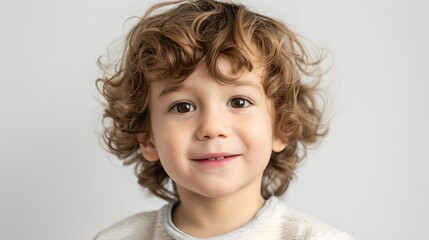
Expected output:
(261, 215)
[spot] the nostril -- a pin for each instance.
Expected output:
(221, 133)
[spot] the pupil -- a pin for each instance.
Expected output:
(238, 103)
(183, 107)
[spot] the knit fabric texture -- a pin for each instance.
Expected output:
(273, 221)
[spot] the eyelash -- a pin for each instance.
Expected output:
(247, 102)
(175, 107)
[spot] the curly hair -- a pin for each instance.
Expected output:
(171, 43)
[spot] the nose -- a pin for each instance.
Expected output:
(213, 125)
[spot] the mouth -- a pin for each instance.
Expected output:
(215, 157)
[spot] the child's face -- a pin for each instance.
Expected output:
(212, 139)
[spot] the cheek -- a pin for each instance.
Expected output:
(258, 133)
(170, 139)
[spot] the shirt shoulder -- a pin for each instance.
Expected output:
(302, 226)
(145, 225)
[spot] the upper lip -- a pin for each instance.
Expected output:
(214, 155)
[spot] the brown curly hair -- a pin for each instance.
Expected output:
(171, 43)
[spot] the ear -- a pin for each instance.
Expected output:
(147, 147)
(278, 145)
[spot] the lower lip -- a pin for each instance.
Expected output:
(216, 163)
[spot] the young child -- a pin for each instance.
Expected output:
(210, 95)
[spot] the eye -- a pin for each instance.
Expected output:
(239, 103)
(182, 107)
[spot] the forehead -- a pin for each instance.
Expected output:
(202, 72)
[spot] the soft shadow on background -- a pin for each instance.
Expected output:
(367, 178)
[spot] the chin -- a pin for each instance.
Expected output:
(217, 192)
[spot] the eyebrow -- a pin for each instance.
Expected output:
(176, 87)
(170, 89)
(248, 84)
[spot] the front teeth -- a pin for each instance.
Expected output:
(214, 159)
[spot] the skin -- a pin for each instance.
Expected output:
(214, 141)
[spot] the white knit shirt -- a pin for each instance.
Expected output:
(273, 221)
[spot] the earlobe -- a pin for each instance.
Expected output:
(278, 145)
(147, 147)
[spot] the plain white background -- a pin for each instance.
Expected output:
(368, 178)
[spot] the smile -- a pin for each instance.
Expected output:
(215, 157)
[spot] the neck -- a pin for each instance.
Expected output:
(204, 217)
